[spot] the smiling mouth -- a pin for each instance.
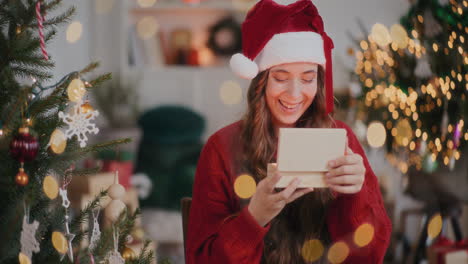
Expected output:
(289, 106)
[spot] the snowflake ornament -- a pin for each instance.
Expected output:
(29, 244)
(96, 233)
(79, 123)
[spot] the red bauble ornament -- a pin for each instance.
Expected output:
(22, 178)
(24, 146)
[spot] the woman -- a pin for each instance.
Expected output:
(286, 43)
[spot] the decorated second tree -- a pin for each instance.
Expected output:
(411, 85)
(44, 132)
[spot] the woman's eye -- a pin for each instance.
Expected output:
(280, 80)
(308, 80)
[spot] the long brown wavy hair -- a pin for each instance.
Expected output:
(305, 218)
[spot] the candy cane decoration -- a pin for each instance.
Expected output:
(40, 19)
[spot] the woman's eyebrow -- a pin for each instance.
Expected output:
(281, 70)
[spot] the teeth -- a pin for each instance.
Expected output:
(289, 106)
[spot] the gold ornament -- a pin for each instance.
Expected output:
(128, 253)
(381, 35)
(59, 242)
(404, 132)
(22, 178)
(85, 108)
(76, 90)
(50, 187)
(399, 36)
(138, 233)
(23, 259)
(58, 142)
(18, 30)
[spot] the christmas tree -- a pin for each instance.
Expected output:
(43, 132)
(411, 85)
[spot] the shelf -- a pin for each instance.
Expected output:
(235, 6)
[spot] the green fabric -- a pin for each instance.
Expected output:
(168, 154)
(172, 125)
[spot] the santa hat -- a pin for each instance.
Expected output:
(284, 31)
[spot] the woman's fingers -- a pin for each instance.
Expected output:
(270, 182)
(345, 160)
(346, 170)
(345, 180)
(287, 192)
(299, 193)
(345, 189)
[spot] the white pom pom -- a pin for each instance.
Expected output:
(285, 2)
(243, 66)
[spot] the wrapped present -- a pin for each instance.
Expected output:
(125, 169)
(446, 251)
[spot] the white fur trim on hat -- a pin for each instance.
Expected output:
(285, 2)
(291, 47)
(243, 66)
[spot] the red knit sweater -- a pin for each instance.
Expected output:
(221, 232)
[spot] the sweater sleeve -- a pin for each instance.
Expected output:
(350, 211)
(218, 232)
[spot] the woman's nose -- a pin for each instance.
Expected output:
(294, 89)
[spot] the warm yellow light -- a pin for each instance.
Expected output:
(435, 47)
(364, 45)
(147, 27)
(418, 132)
(74, 31)
(338, 252)
(381, 35)
(50, 187)
(376, 134)
(103, 6)
(59, 242)
(420, 19)
(364, 235)
(245, 186)
(146, 3)
(312, 250)
(230, 93)
(435, 226)
(424, 136)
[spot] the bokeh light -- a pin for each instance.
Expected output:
(435, 226)
(230, 93)
(58, 141)
(59, 242)
(338, 252)
(399, 36)
(76, 90)
(364, 235)
(245, 186)
(146, 3)
(50, 187)
(376, 134)
(103, 6)
(147, 27)
(74, 31)
(312, 250)
(23, 259)
(381, 35)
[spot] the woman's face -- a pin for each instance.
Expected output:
(290, 90)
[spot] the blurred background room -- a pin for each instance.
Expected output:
(401, 82)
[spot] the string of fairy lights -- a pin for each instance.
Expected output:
(409, 112)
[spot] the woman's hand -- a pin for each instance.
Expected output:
(266, 203)
(347, 173)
